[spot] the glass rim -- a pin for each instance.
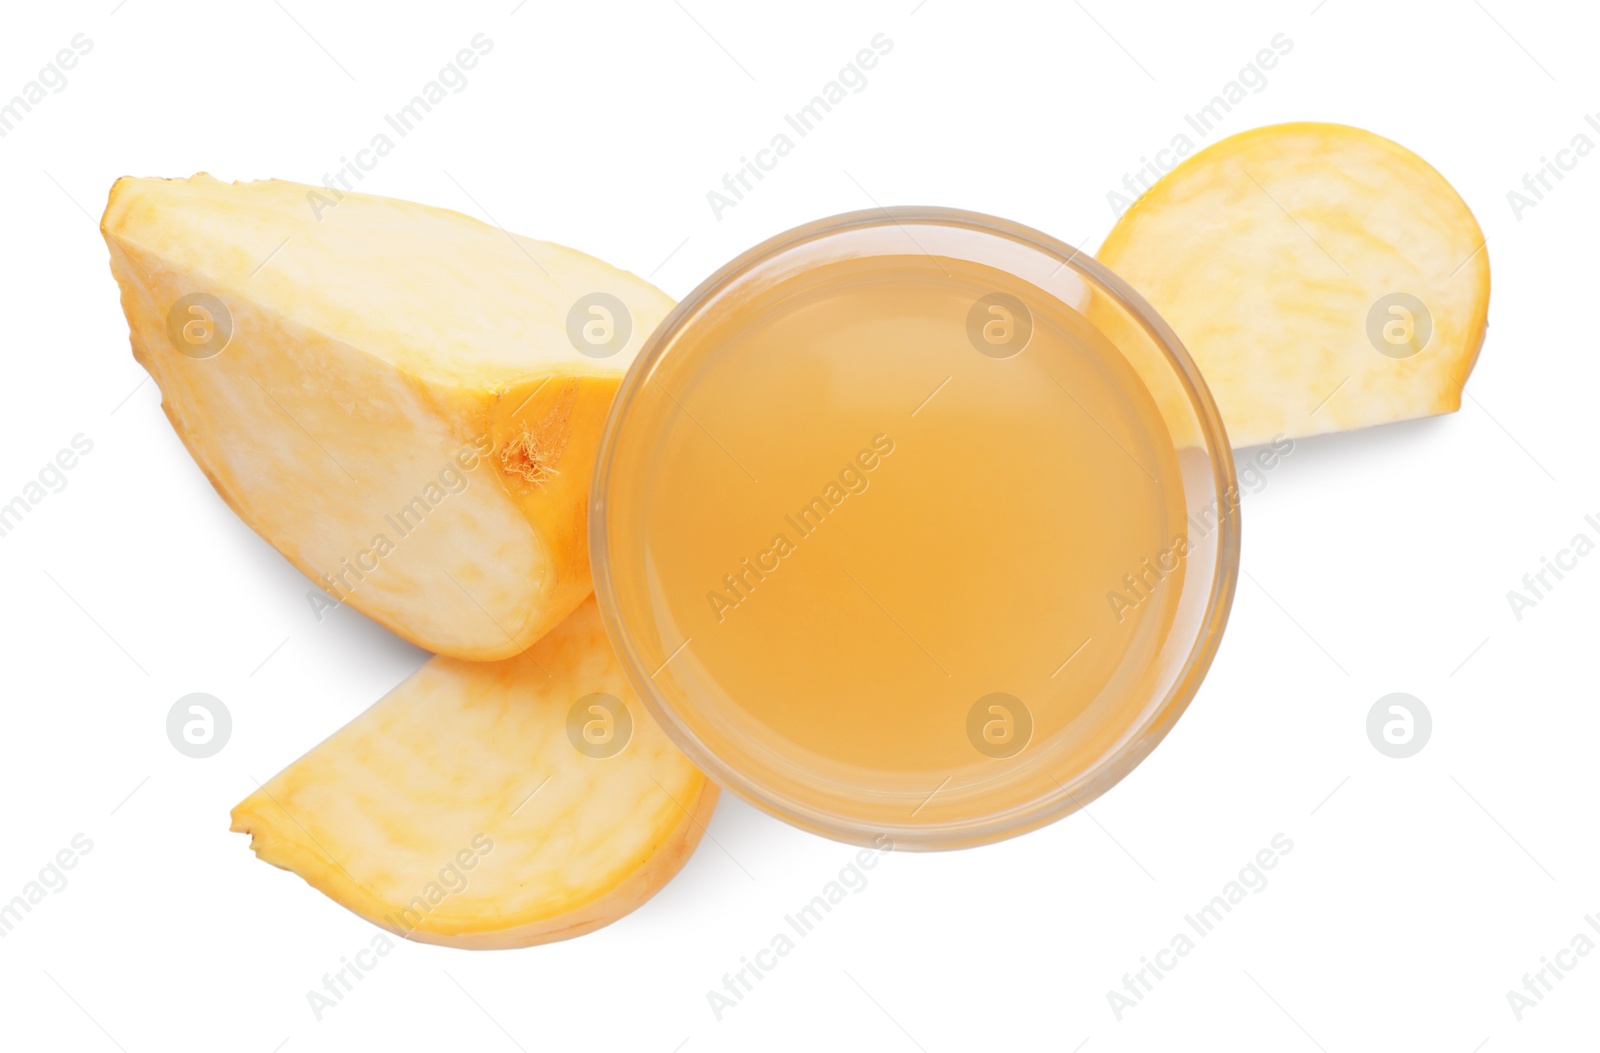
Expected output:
(1144, 736)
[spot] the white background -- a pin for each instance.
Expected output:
(1418, 892)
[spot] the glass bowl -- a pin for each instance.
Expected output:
(1009, 524)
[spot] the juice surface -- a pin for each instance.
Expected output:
(891, 559)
